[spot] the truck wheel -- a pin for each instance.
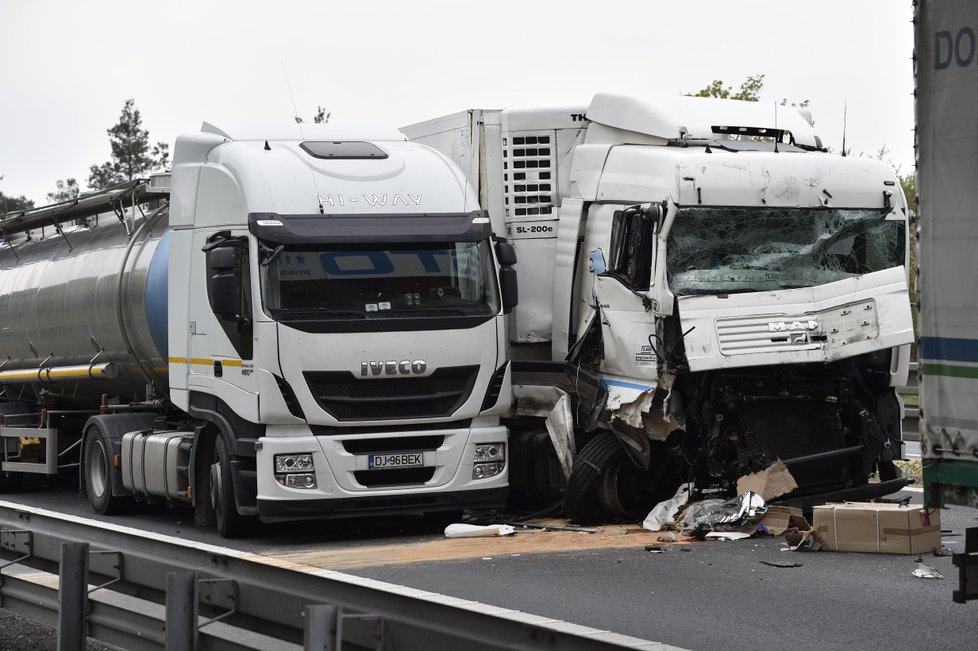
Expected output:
(230, 523)
(605, 485)
(97, 466)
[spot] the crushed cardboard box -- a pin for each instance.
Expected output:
(798, 533)
(881, 528)
(774, 481)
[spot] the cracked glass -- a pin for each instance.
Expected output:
(728, 250)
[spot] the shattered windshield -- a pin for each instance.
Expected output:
(357, 281)
(727, 250)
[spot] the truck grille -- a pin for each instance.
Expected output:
(826, 329)
(397, 477)
(347, 397)
(529, 165)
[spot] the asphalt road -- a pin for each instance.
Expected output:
(703, 596)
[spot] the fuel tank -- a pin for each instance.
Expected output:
(86, 309)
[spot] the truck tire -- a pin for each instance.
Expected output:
(606, 486)
(97, 468)
(230, 523)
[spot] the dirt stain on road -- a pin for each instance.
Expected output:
(524, 541)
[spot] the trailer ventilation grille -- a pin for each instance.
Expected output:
(347, 397)
(529, 164)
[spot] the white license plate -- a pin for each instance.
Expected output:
(392, 461)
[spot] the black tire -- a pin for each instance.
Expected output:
(438, 520)
(97, 469)
(230, 523)
(606, 486)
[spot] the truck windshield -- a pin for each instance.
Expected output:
(727, 250)
(356, 281)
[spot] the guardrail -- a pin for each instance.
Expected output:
(138, 590)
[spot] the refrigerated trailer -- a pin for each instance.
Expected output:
(704, 290)
(298, 322)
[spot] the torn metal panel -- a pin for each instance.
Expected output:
(657, 412)
(560, 426)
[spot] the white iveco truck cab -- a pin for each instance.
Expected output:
(307, 323)
(709, 289)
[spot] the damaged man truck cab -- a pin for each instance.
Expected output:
(712, 291)
(309, 324)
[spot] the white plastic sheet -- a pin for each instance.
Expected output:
(461, 530)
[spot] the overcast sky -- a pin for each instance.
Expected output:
(68, 66)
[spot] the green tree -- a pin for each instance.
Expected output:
(10, 203)
(66, 191)
(750, 90)
(320, 117)
(132, 156)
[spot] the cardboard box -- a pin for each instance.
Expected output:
(877, 528)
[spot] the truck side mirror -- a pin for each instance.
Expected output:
(508, 286)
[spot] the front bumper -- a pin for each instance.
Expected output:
(358, 507)
(346, 488)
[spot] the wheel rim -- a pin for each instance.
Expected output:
(608, 491)
(217, 490)
(98, 470)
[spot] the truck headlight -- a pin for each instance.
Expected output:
(490, 452)
(295, 470)
(293, 463)
(489, 460)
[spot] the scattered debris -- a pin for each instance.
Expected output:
(927, 572)
(664, 513)
(728, 535)
(461, 530)
(667, 537)
(770, 483)
(781, 563)
(554, 527)
(740, 512)
(777, 520)
(799, 534)
(878, 527)
(655, 549)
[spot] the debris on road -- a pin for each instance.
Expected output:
(927, 572)
(881, 528)
(554, 527)
(664, 513)
(728, 535)
(461, 530)
(783, 564)
(655, 549)
(739, 513)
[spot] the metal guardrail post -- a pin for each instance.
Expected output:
(73, 596)
(320, 628)
(181, 611)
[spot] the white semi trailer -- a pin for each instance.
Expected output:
(947, 162)
(300, 322)
(704, 290)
